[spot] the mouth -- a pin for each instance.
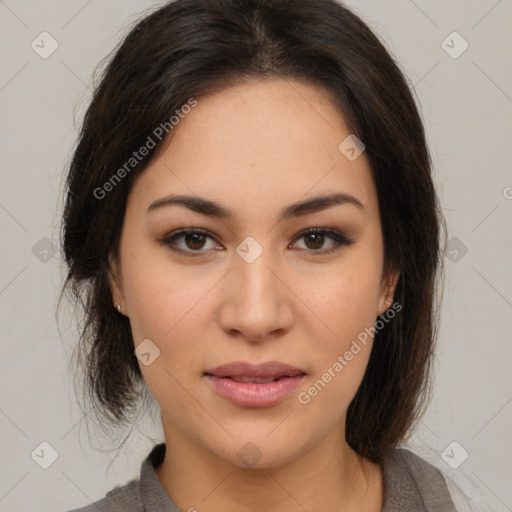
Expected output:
(246, 372)
(246, 385)
(253, 380)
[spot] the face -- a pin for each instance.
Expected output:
(249, 284)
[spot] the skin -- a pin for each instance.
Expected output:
(256, 148)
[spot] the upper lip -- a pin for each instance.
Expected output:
(264, 370)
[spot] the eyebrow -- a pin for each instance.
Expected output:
(214, 209)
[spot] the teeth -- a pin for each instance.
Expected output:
(249, 380)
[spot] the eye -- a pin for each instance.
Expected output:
(194, 241)
(316, 237)
(193, 238)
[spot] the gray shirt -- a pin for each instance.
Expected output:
(411, 485)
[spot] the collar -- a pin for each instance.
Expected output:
(410, 483)
(154, 497)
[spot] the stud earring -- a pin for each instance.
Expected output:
(119, 308)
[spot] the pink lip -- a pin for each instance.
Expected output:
(255, 394)
(263, 370)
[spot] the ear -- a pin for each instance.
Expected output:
(388, 288)
(115, 284)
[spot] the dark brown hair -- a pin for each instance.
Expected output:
(189, 48)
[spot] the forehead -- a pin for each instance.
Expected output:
(258, 145)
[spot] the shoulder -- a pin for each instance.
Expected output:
(435, 488)
(122, 498)
(403, 461)
(132, 496)
(412, 483)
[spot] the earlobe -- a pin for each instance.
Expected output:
(388, 291)
(115, 285)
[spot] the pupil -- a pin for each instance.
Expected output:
(196, 237)
(319, 240)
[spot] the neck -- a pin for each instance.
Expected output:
(331, 476)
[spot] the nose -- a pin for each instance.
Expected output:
(256, 302)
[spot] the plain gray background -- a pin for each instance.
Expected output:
(466, 103)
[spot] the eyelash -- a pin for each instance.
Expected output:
(340, 239)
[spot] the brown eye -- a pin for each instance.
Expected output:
(316, 238)
(192, 241)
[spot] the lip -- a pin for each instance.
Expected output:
(263, 370)
(255, 394)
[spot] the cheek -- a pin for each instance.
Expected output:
(166, 310)
(162, 299)
(344, 301)
(341, 355)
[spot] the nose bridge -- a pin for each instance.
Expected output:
(256, 277)
(256, 304)
(257, 283)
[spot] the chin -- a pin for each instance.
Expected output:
(260, 451)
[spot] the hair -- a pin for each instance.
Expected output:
(190, 48)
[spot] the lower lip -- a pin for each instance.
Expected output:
(254, 394)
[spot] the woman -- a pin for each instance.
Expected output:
(252, 227)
